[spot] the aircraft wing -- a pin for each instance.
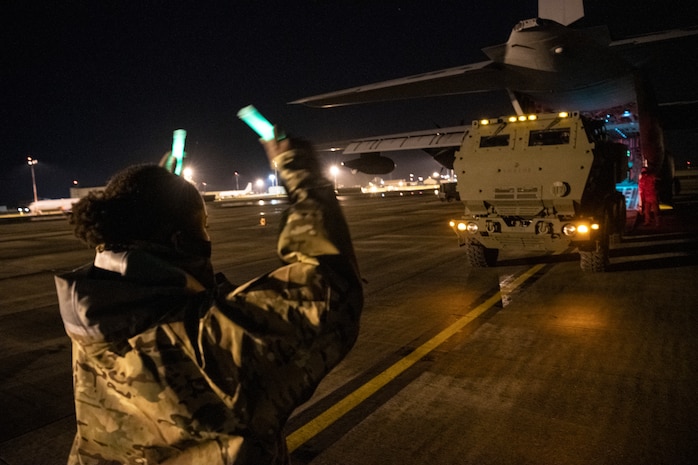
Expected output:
(416, 140)
(655, 37)
(635, 49)
(589, 63)
(440, 143)
(478, 77)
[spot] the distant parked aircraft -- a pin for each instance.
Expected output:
(41, 207)
(234, 193)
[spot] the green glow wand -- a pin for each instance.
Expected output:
(178, 138)
(254, 119)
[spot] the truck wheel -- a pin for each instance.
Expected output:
(595, 261)
(479, 256)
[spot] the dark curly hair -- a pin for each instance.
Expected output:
(140, 203)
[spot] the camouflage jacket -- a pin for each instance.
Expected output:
(167, 373)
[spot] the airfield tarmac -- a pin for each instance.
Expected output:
(528, 362)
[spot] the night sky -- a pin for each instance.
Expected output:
(89, 87)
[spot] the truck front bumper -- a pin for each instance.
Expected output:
(544, 234)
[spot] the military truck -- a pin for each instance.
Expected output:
(544, 183)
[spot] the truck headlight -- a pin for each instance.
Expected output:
(461, 226)
(569, 229)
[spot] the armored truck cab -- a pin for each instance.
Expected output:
(543, 183)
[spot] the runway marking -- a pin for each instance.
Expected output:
(334, 413)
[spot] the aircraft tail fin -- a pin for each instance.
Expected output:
(564, 12)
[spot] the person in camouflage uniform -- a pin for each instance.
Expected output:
(173, 365)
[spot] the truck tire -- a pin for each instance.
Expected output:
(479, 256)
(595, 261)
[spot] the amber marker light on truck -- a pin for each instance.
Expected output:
(579, 229)
(514, 119)
(461, 226)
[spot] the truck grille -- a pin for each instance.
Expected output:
(517, 201)
(529, 242)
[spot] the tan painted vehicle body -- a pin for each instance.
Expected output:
(542, 183)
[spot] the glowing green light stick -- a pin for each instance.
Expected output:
(178, 138)
(257, 122)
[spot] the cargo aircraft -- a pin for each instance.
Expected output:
(545, 66)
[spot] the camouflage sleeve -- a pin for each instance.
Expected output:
(321, 266)
(314, 225)
(287, 329)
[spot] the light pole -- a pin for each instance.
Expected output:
(31, 162)
(237, 186)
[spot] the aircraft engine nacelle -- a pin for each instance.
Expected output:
(371, 163)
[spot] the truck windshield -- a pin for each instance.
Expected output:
(500, 140)
(549, 137)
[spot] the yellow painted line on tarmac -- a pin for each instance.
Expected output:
(334, 413)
